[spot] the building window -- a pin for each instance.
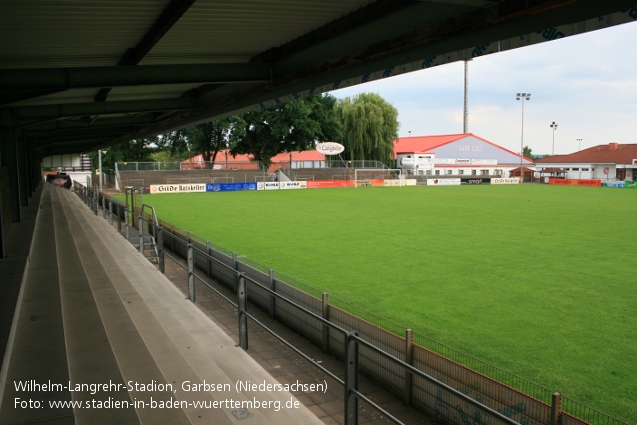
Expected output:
(460, 172)
(585, 169)
(498, 172)
(485, 172)
(449, 172)
(437, 172)
(576, 169)
(566, 169)
(474, 172)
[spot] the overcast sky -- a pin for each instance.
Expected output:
(586, 83)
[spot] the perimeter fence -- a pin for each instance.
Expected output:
(450, 386)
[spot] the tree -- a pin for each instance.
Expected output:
(205, 139)
(138, 150)
(527, 152)
(370, 125)
(291, 126)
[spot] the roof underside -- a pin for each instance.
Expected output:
(77, 76)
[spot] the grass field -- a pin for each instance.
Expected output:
(538, 280)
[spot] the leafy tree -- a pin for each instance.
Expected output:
(291, 126)
(205, 139)
(138, 150)
(370, 125)
(527, 152)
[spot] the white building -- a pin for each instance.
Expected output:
(455, 155)
(76, 165)
(604, 162)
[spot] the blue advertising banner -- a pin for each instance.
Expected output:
(230, 187)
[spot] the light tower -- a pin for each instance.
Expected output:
(554, 127)
(522, 97)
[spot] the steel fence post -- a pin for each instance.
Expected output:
(235, 265)
(409, 349)
(326, 315)
(351, 379)
(126, 224)
(209, 252)
(243, 308)
(160, 249)
(103, 206)
(141, 235)
(556, 409)
(272, 297)
(110, 208)
(191, 273)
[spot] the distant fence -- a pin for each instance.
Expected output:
(220, 165)
(446, 377)
(330, 163)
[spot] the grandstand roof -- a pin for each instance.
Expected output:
(613, 153)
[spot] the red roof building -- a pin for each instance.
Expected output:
(225, 161)
(604, 162)
(455, 155)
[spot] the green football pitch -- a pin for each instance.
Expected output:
(539, 280)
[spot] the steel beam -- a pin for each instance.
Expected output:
(29, 115)
(37, 80)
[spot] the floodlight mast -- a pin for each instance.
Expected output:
(554, 127)
(522, 97)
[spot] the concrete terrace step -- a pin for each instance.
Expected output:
(98, 329)
(36, 349)
(183, 343)
(90, 354)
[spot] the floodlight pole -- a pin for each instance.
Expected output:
(465, 119)
(554, 127)
(522, 97)
(579, 144)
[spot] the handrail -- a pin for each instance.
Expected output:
(350, 368)
(90, 197)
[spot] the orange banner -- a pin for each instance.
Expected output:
(575, 182)
(313, 184)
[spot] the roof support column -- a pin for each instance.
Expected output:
(9, 158)
(23, 178)
(32, 178)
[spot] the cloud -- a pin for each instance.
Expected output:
(586, 83)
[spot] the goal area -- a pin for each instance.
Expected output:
(377, 176)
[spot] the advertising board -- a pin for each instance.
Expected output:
(271, 186)
(505, 180)
(575, 182)
(443, 182)
(176, 188)
(314, 184)
(330, 148)
(230, 187)
(469, 180)
(293, 185)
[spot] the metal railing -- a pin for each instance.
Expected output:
(330, 163)
(218, 165)
(433, 377)
(353, 343)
